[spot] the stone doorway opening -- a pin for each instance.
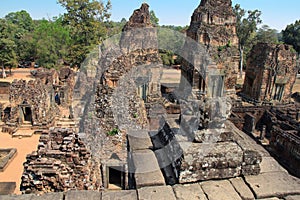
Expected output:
(25, 114)
(115, 177)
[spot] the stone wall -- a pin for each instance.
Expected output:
(61, 162)
(284, 132)
(4, 91)
(37, 97)
(62, 81)
(271, 73)
(279, 124)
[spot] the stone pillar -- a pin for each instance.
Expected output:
(263, 132)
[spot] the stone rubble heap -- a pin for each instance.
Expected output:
(62, 162)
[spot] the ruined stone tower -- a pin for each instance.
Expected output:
(137, 47)
(129, 78)
(213, 24)
(271, 73)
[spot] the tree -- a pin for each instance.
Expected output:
(52, 41)
(21, 24)
(246, 26)
(86, 19)
(7, 45)
(7, 53)
(267, 35)
(21, 18)
(154, 20)
(291, 35)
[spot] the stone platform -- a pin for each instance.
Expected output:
(272, 183)
(6, 155)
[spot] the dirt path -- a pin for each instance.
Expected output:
(24, 146)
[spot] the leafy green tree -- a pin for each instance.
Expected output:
(246, 27)
(21, 18)
(52, 41)
(21, 24)
(154, 20)
(267, 35)
(291, 35)
(7, 45)
(7, 54)
(86, 19)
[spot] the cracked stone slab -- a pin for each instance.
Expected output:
(16, 197)
(242, 189)
(78, 195)
(189, 192)
(273, 184)
(269, 164)
(216, 190)
(292, 197)
(158, 192)
(120, 195)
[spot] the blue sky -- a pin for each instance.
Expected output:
(277, 14)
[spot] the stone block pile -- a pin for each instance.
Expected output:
(62, 162)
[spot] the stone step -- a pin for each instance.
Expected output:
(147, 171)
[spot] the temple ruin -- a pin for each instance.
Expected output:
(34, 104)
(201, 142)
(213, 24)
(60, 163)
(271, 73)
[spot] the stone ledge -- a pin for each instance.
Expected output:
(242, 189)
(147, 171)
(154, 193)
(217, 190)
(189, 192)
(120, 195)
(273, 184)
(7, 158)
(79, 195)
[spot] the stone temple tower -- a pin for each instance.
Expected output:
(213, 24)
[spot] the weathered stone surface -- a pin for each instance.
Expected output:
(81, 194)
(216, 190)
(153, 193)
(7, 188)
(273, 198)
(16, 197)
(242, 189)
(271, 73)
(210, 161)
(189, 192)
(6, 156)
(273, 184)
(207, 134)
(139, 140)
(269, 164)
(120, 195)
(49, 196)
(147, 171)
(61, 162)
(292, 197)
